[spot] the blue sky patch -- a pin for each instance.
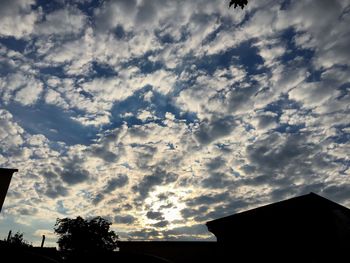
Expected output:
(53, 123)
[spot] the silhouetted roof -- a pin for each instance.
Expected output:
(292, 205)
(5, 179)
(7, 170)
(307, 228)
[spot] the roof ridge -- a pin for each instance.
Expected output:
(275, 204)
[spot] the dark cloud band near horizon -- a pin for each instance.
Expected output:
(162, 115)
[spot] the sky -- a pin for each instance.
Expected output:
(161, 115)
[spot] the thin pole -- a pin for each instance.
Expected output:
(43, 241)
(9, 236)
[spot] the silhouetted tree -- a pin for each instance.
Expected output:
(79, 236)
(240, 3)
(17, 240)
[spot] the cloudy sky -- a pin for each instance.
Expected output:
(161, 115)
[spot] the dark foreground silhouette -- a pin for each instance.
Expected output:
(80, 236)
(307, 228)
(27, 254)
(51, 255)
(5, 179)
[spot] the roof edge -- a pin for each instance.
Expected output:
(311, 194)
(8, 170)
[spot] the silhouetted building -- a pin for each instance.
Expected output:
(5, 179)
(307, 228)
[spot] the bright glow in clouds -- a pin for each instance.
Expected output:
(162, 115)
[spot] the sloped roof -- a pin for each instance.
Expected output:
(292, 205)
(5, 179)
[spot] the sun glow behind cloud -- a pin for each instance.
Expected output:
(162, 115)
(170, 204)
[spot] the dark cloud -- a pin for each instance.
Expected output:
(155, 215)
(216, 180)
(117, 182)
(265, 120)
(126, 220)
(138, 131)
(12, 152)
(105, 15)
(229, 207)
(279, 152)
(72, 171)
(338, 193)
(283, 186)
(104, 154)
(261, 180)
(161, 224)
(159, 177)
(165, 196)
(127, 207)
(52, 189)
(194, 212)
(168, 205)
(289, 189)
(147, 12)
(98, 198)
(145, 154)
(127, 5)
(116, 210)
(74, 176)
(106, 141)
(215, 163)
(248, 169)
(27, 211)
(241, 98)
(147, 184)
(209, 199)
(279, 160)
(145, 234)
(216, 128)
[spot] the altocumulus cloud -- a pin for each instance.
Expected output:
(161, 115)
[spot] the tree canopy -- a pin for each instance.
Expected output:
(85, 236)
(240, 3)
(17, 240)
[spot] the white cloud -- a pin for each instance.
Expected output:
(78, 53)
(10, 132)
(53, 97)
(62, 22)
(29, 94)
(305, 16)
(113, 13)
(313, 94)
(17, 19)
(145, 115)
(24, 89)
(109, 89)
(212, 93)
(271, 53)
(12, 140)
